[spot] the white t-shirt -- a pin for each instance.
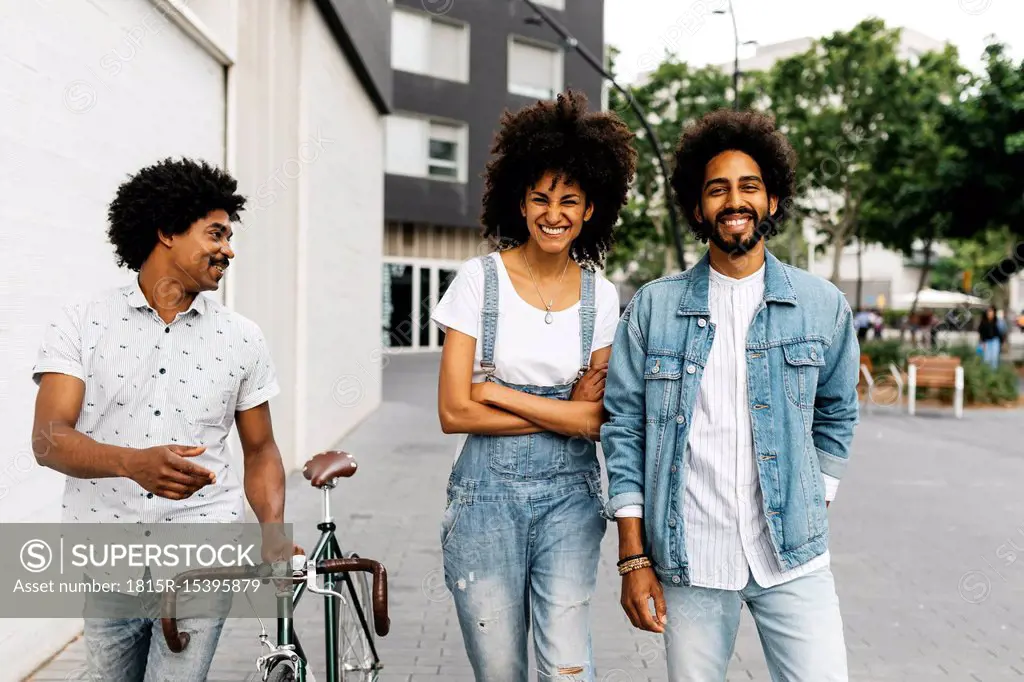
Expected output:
(527, 350)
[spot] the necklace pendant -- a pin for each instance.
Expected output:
(548, 317)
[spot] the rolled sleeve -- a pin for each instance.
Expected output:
(259, 384)
(61, 349)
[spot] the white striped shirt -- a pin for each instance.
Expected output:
(727, 536)
(150, 383)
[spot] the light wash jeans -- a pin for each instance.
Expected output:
(990, 353)
(134, 649)
(799, 624)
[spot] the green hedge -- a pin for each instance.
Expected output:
(982, 384)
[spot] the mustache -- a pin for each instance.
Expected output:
(729, 212)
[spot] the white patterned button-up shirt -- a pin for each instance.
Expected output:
(150, 383)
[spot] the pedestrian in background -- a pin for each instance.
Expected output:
(528, 331)
(990, 338)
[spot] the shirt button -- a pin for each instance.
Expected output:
(163, 371)
(691, 369)
(157, 413)
(702, 322)
(149, 495)
(680, 419)
(148, 533)
(167, 330)
(676, 579)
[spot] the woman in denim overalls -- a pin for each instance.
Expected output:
(528, 335)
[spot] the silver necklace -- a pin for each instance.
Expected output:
(548, 317)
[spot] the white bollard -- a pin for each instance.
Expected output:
(911, 389)
(958, 397)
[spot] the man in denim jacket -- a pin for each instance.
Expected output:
(732, 401)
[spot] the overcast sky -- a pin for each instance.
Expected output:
(644, 29)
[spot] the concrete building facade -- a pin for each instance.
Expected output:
(284, 94)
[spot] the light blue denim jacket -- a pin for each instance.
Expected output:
(802, 360)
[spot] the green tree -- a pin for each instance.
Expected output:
(985, 186)
(835, 103)
(907, 206)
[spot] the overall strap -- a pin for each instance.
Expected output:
(588, 314)
(490, 313)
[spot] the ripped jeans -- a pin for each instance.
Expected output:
(521, 548)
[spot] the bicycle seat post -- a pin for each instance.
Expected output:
(327, 502)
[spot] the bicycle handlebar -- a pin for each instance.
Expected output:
(177, 641)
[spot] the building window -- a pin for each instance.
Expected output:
(426, 148)
(553, 4)
(534, 70)
(429, 46)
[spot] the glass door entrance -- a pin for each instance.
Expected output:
(410, 290)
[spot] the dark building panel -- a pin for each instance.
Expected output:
(363, 31)
(481, 102)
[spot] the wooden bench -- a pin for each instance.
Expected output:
(935, 371)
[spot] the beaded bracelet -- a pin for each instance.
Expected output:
(634, 565)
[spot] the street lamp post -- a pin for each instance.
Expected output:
(736, 56)
(572, 43)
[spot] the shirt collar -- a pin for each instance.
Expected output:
(777, 286)
(136, 299)
(750, 280)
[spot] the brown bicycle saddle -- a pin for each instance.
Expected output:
(323, 468)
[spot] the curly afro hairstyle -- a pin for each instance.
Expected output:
(594, 150)
(750, 132)
(168, 196)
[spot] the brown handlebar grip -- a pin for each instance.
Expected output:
(176, 641)
(381, 621)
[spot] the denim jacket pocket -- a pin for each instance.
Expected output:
(661, 377)
(800, 371)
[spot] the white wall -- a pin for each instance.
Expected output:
(310, 157)
(89, 92)
(341, 244)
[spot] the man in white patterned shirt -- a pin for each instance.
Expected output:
(731, 394)
(139, 389)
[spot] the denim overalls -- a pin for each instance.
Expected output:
(522, 532)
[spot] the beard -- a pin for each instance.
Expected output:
(735, 244)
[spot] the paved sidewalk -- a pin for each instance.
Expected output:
(925, 531)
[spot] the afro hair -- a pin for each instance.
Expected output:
(723, 130)
(168, 197)
(594, 150)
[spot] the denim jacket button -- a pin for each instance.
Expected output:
(702, 322)
(674, 469)
(676, 579)
(691, 369)
(671, 523)
(680, 419)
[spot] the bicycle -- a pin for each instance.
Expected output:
(350, 648)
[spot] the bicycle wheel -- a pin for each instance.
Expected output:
(282, 672)
(355, 655)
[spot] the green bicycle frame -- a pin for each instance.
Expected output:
(326, 548)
